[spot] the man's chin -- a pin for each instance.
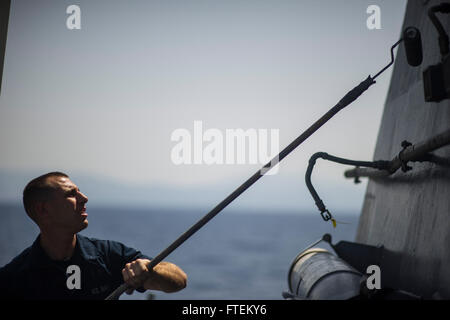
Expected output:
(84, 224)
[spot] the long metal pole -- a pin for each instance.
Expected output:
(348, 98)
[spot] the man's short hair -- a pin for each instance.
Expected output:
(38, 189)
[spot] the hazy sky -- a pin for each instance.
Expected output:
(105, 99)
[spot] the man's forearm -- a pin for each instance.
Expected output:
(166, 277)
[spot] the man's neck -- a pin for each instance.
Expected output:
(58, 246)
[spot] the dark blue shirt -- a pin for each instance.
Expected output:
(33, 275)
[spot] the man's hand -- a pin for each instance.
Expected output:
(135, 273)
(165, 276)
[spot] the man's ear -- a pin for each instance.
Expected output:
(40, 209)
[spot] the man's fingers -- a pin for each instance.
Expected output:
(129, 276)
(126, 278)
(132, 280)
(140, 270)
(125, 275)
(135, 273)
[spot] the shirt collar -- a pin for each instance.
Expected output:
(83, 249)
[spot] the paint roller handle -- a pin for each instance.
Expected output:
(353, 94)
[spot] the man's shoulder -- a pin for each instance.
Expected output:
(94, 246)
(114, 252)
(19, 263)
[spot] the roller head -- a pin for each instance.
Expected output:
(413, 46)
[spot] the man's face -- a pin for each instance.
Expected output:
(66, 208)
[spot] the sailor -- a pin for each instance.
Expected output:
(62, 264)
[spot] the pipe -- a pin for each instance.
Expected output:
(417, 152)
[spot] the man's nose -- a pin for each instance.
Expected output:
(83, 197)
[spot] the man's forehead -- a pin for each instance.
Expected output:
(61, 182)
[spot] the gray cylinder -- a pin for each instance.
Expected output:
(317, 274)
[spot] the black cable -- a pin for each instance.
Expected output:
(326, 215)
